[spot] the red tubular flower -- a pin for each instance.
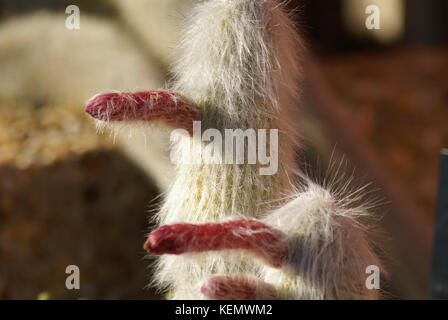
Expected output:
(169, 107)
(265, 242)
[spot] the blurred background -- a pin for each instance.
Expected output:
(71, 196)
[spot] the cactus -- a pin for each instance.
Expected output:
(226, 231)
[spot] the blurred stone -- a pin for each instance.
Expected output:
(156, 23)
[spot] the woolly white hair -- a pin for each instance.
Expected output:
(327, 230)
(239, 62)
(231, 63)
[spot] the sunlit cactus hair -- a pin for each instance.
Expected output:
(239, 67)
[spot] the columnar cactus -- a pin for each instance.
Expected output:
(228, 232)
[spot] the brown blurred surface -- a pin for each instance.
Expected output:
(398, 102)
(86, 210)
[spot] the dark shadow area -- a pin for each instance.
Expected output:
(90, 211)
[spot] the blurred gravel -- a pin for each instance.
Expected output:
(51, 133)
